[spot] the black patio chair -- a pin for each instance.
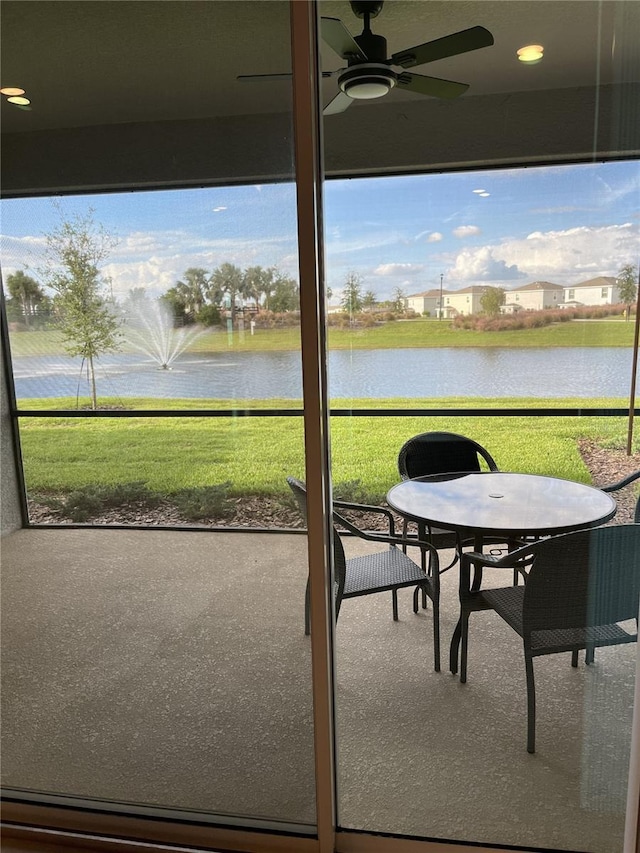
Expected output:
(580, 586)
(442, 453)
(384, 571)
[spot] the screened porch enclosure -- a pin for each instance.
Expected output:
(168, 668)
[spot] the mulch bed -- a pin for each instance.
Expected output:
(606, 466)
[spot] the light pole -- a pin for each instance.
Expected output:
(440, 313)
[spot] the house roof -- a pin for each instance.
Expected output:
(473, 288)
(599, 281)
(425, 293)
(538, 285)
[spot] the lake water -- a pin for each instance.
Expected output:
(491, 372)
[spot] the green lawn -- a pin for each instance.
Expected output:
(256, 454)
(612, 332)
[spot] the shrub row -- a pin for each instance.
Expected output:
(534, 319)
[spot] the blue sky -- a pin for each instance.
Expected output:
(506, 227)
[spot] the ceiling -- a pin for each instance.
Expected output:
(97, 63)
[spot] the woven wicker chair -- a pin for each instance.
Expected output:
(615, 487)
(388, 570)
(441, 453)
(579, 586)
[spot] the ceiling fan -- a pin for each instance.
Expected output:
(368, 73)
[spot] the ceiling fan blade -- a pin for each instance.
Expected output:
(431, 85)
(271, 78)
(262, 78)
(465, 40)
(338, 37)
(338, 105)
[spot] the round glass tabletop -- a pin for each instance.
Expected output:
(497, 502)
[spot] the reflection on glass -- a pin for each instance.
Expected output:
(490, 290)
(166, 666)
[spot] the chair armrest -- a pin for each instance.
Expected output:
(613, 487)
(518, 560)
(363, 508)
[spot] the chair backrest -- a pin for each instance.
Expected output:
(583, 579)
(441, 453)
(299, 490)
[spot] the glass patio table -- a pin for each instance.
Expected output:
(498, 504)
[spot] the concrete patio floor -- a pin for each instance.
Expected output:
(170, 668)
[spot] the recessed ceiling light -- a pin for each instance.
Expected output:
(485, 195)
(531, 53)
(479, 191)
(11, 90)
(21, 102)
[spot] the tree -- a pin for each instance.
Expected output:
(492, 299)
(27, 297)
(177, 305)
(75, 250)
(192, 291)
(369, 300)
(226, 283)
(352, 294)
(399, 297)
(135, 297)
(627, 286)
(286, 294)
(258, 283)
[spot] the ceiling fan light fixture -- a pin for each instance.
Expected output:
(530, 53)
(367, 81)
(367, 89)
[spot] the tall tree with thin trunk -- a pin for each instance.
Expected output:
(628, 286)
(352, 294)
(398, 298)
(75, 250)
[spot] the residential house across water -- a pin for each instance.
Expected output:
(536, 296)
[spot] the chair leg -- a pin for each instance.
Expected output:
(394, 600)
(426, 566)
(307, 626)
(464, 638)
(436, 635)
(590, 654)
(574, 658)
(531, 704)
(416, 593)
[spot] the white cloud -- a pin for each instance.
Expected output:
(157, 260)
(398, 269)
(563, 257)
(482, 265)
(434, 237)
(463, 231)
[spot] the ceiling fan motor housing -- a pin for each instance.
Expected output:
(373, 46)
